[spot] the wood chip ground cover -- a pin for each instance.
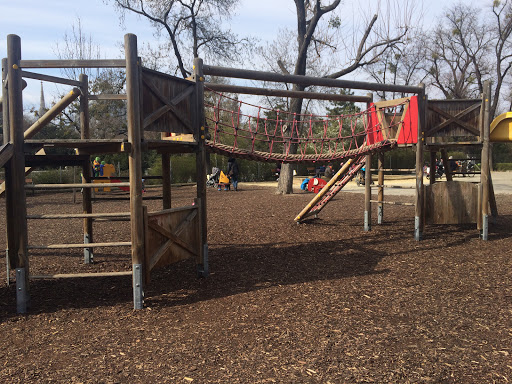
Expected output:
(320, 302)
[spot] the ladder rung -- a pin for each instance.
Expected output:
(88, 245)
(74, 275)
(391, 202)
(76, 185)
(80, 215)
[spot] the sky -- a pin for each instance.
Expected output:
(43, 24)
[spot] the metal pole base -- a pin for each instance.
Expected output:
(88, 252)
(7, 267)
(21, 291)
(203, 270)
(417, 233)
(367, 225)
(485, 227)
(380, 214)
(138, 287)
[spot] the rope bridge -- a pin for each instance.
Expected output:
(280, 136)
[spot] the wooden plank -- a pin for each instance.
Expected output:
(53, 79)
(78, 215)
(284, 93)
(80, 275)
(183, 119)
(6, 152)
(453, 119)
(419, 209)
(107, 96)
(392, 202)
(305, 80)
(52, 113)
(82, 245)
(77, 185)
(133, 93)
(171, 236)
(108, 63)
(172, 210)
(391, 103)
(451, 202)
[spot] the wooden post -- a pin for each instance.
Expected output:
(18, 250)
(86, 168)
(419, 217)
(166, 181)
(368, 194)
(199, 135)
(135, 164)
(5, 103)
(485, 171)
(8, 192)
(433, 158)
(446, 163)
(380, 198)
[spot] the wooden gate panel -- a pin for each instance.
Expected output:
(451, 202)
(453, 120)
(168, 102)
(171, 235)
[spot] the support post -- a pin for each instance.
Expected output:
(166, 181)
(446, 163)
(485, 171)
(5, 103)
(135, 164)
(200, 135)
(433, 158)
(18, 250)
(8, 192)
(368, 194)
(419, 217)
(86, 168)
(380, 198)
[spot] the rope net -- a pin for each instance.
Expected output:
(280, 136)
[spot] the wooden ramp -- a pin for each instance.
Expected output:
(336, 184)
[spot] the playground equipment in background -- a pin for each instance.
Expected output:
(501, 128)
(314, 184)
(224, 182)
(107, 176)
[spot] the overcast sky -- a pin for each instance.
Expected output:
(42, 24)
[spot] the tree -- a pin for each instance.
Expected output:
(313, 35)
(191, 26)
(466, 49)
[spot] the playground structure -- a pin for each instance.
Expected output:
(187, 123)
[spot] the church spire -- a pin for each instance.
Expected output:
(42, 106)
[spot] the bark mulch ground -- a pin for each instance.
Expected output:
(321, 302)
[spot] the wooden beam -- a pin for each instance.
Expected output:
(81, 245)
(305, 80)
(18, 250)
(284, 93)
(134, 122)
(419, 211)
(107, 96)
(6, 152)
(80, 275)
(109, 63)
(53, 79)
(76, 185)
(5, 103)
(52, 113)
(78, 215)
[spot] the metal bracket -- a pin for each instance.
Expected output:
(203, 270)
(367, 225)
(88, 252)
(21, 291)
(138, 287)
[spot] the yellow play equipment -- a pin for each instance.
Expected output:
(501, 128)
(224, 182)
(108, 171)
